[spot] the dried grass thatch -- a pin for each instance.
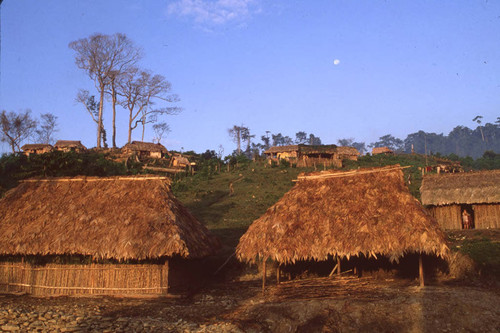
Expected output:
(461, 188)
(146, 146)
(382, 150)
(368, 211)
(61, 144)
(120, 218)
(37, 146)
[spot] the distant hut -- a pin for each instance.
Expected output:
(145, 149)
(36, 148)
(112, 220)
(179, 161)
(366, 212)
(69, 145)
(465, 200)
(312, 155)
(382, 150)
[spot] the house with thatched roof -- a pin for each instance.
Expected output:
(111, 221)
(382, 150)
(145, 149)
(36, 148)
(312, 155)
(343, 214)
(70, 145)
(464, 200)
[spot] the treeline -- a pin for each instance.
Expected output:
(461, 141)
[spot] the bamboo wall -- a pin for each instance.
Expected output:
(448, 217)
(487, 216)
(84, 279)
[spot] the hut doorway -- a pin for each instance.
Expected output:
(467, 217)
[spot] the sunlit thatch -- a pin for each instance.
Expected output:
(461, 188)
(368, 211)
(119, 217)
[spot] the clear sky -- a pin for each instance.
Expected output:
(338, 69)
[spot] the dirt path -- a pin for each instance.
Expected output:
(314, 305)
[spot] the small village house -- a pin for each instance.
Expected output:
(312, 155)
(36, 148)
(128, 229)
(344, 214)
(464, 200)
(382, 150)
(145, 149)
(69, 145)
(181, 162)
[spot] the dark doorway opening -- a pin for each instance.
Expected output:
(467, 217)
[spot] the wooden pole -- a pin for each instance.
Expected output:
(421, 270)
(278, 273)
(167, 273)
(338, 265)
(263, 275)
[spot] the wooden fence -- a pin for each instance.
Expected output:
(96, 279)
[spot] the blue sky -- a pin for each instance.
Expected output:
(402, 66)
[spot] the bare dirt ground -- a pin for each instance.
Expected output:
(345, 304)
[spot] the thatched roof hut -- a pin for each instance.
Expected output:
(150, 149)
(69, 145)
(452, 195)
(119, 218)
(311, 155)
(36, 148)
(382, 150)
(345, 214)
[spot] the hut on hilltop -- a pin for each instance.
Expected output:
(109, 220)
(465, 200)
(145, 149)
(311, 155)
(382, 150)
(366, 212)
(36, 148)
(69, 145)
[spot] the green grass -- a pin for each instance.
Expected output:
(485, 253)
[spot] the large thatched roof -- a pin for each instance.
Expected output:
(313, 149)
(368, 211)
(461, 188)
(30, 146)
(146, 146)
(119, 217)
(69, 144)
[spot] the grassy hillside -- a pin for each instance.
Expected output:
(257, 186)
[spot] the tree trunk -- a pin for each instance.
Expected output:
(113, 96)
(99, 120)
(130, 127)
(143, 127)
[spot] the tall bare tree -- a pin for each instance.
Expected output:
(101, 57)
(139, 91)
(235, 132)
(48, 126)
(16, 128)
(160, 130)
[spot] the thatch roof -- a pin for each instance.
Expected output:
(35, 146)
(145, 146)
(367, 211)
(461, 188)
(69, 144)
(348, 151)
(313, 149)
(382, 150)
(119, 217)
(281, 149)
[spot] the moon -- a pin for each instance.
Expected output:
(336, 62)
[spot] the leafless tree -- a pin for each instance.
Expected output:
(101, 57)
(160, 130)
(235, 133)
(16, 128)
(48, 126)
(139, 91)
